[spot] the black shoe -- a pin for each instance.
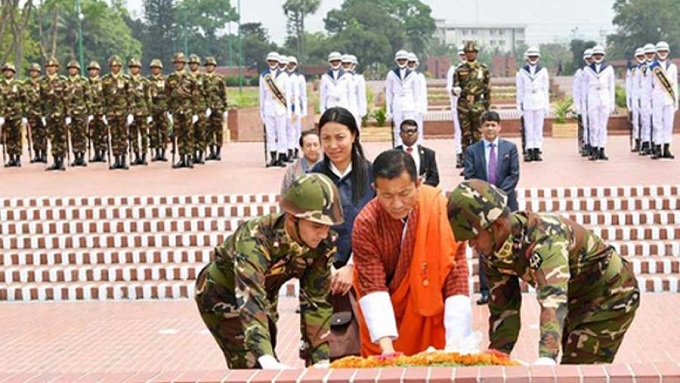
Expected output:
(82, 161)
(636, 147)
(656, 152)
(136, 160)
(484, 299)
(273, 161)
(17, 161)
(142, 161)
(199, 158)
(667, 152)
(10, 163)
(645, 149)
(529, 156)
(123, 163)
(60, 163)
(54, 165)
(290, 158)
(37, 157)
(296, 153)
(537, 155)
(190, 162)
(181, 163)
(594, 153)
(603, 156)
(218, 153)
(459, 161)
(162, 156)
(282, 160)
(586, 151)
(211, 156)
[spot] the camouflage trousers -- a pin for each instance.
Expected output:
(183, 130)
(199, 133)
(119, 134)
(100, 136)
(158, 131)
(594, 330)
(218, 308)
(139, 134)
(78, 130)
(38, 133)
(57, 132)
(470, 125)
(214, 131)
(11, 132)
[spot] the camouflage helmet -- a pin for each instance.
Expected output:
(35, 67)
(210, 61)
(470, 46)
(179, 58)
(134, 63)
(73, 64)
(52, 62)
(474, 205)
(9, 66)
(194, 59)
(156, 63)
(93, 65)
(115, 60)
(314, 197)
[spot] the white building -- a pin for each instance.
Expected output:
(504, 37)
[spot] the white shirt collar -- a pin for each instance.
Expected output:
(337, 172)
(487, 142)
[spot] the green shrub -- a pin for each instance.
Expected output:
(563, 110)
(380, 116)
(620, 95)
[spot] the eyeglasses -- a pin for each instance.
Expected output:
(409, 131)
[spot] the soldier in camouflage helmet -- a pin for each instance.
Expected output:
(33, 110)
(216, 93)
(77, 112)
(140, 108)
(587, 292)
(158, 134)
(182, 93)
(98, 133)
(237, 293)
(116, 94)
(471, 85)
(11, 114)
(53, 96)
(201, 109)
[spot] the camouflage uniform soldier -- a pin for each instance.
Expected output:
(159, 108)
(77, 109)
(201, 110)
(216, 93)
(12, 114)
(237, 293)
(53, 89)
(116, 94)
(140, 107)
(33, 110)
(98, 133)
(182, 92)
(471, 84)
(587, 292)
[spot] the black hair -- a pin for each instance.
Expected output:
(305, 134)
(392, 163)
(359, 163)
(408, 122)
(490, 115)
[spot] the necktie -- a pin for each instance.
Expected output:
(409, 150)
(491, 175)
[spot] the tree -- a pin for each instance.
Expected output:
(160, 17)
(577, 47)
(204, 22)
(296, 11)
(256, 45)
(14, 29)
(639, 22)
(553, 54)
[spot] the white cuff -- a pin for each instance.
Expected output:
(544, 361)
(457, 318)
(379, 315)
(350, 261)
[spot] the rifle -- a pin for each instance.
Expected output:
(4, 144)
(29, 139)
(392, 133)
(89, 139)
(523, 132)
(68, 144)
(264, 135)
(109, 152)
(173, 136)
(631, 140)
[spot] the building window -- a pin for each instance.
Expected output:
(501, 42)
(501, 32)
(493, 42)
(474, 32)
(492, 32)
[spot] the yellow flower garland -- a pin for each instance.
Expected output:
(427, 359)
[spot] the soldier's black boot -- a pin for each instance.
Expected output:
(586, 151)
(273, 161)
(181, 163)
(537, 155)
(54, 164)
(136, 160)
(199, 157)
(282, 160)
(189, 162)
(656, 152)
(162, 156)
(10, 163)
(636, 147)
(667, 152)
(17, 161)
(60, 163)
(459, 161)
(83, 162)
(123, 162)
(37, 156)
(290, 156)
(143, 160)
(529, 155)
(603, 156)
(218, 153)
(594, 153)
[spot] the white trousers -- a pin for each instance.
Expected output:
(277, 139)
(599, 116)
(636, 123)
(399, 117)
(293, 131)
(457, 135)
(533, 128)
(662, 124)
(421, 130)
(646, 124)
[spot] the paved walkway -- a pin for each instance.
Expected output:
(242, 171)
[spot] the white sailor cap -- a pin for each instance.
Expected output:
(587, 53)
(461, 50)
(649, 48)
(401, 55)
(273, 56)
(662, 46)
(283, 60)
(334, 56)
(533, 51)
(292, 59)
(412, 57)
(639, 52)
(598, 50)
(354, 59)
(347, 58)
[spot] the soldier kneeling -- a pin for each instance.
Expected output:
(237, 293)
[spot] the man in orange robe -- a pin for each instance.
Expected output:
(411, 278)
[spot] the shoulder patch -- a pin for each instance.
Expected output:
(535, 261)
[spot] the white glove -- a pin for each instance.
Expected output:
(322, 364)
(194, 119)
(458, 325)
(225, 116)
(130, 118)
(543, 361)
(2, 121)
(68, 121)
(24, 121)
(90, 118)
(457, 91)
(44, 121)
(149, 120)
(106, 122)
(268, 362)
(208, 112)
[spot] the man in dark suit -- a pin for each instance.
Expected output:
(495, 161)
(424, 157)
